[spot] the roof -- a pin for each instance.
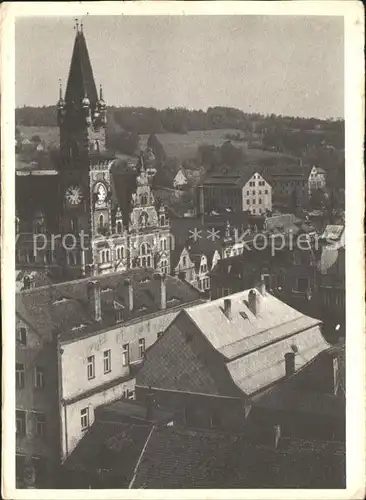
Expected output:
(125, 409)
(248, 342)
(63, 307)
(177, 458)
(225, 175)
(333, 232)
(81, 80)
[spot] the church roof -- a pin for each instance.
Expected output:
(81, 80)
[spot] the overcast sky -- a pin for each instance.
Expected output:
(283, 65)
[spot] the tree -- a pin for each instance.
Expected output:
(36, 138)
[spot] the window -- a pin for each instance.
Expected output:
(164, 266)
(84, 417)
(253, 202)
(107, 361)
(91, 367)
(260, 201)
(184, 261)
(143, 199)
(101, 221)
(119, 315)
(125, 354)
(162, 220)
(302, 284)
(259, 192)
(253, 193)
(119, 227)
(21, 427)
(266, 191)
(141, 348)
(215, 420)
(163, 244)
(247, 193)
(39, 381)
(248, 202)
(19, 376)
(40, 424)
(22, 335)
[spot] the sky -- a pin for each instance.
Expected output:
(287, 65)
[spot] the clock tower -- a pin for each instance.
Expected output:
(81, 116)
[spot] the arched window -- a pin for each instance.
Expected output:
(164, 266)
(107, 254)
(143, 249)
(119, 227)
(101, 223)
(163, 244)
(96, 146)
(162, 220)
(118, 252)
(148, 261)
(143, 262)
(143, 200)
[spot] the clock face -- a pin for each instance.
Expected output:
(74, 195)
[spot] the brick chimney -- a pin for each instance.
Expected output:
(94, 300)
(129, 286)
(254, 300)
(289, 364)
(160, 278)
(227, 308)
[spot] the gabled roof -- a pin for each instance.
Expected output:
(64, 308)
(254, 346)
(81, 80)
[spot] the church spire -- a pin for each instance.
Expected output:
(81, 79)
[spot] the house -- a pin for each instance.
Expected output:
(331, 274)
(180, 180)
(129, 446)
(78, 345)
(289, 185)
(109, 451)
(238, 190)
(317, 179)
(225, 352)
(310, 404)
(219, 460)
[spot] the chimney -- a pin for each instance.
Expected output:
(162, 292)
(227, 308)
(128, 283)
(277, 435)
(150, 404)
(289, 363)
(261, 287)
(26, 283)
(254, 302)
(94, 300)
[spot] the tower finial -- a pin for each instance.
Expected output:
(101, 92)
(76, 27)
(81, 26)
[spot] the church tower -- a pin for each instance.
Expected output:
(81, 116)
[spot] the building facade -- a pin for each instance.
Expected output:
(237, 191)
(96, 214)
(78, 346)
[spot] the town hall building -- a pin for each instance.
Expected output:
(88, 212)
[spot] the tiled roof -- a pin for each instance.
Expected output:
(176, 458)
(254, 346)
(64, 307)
